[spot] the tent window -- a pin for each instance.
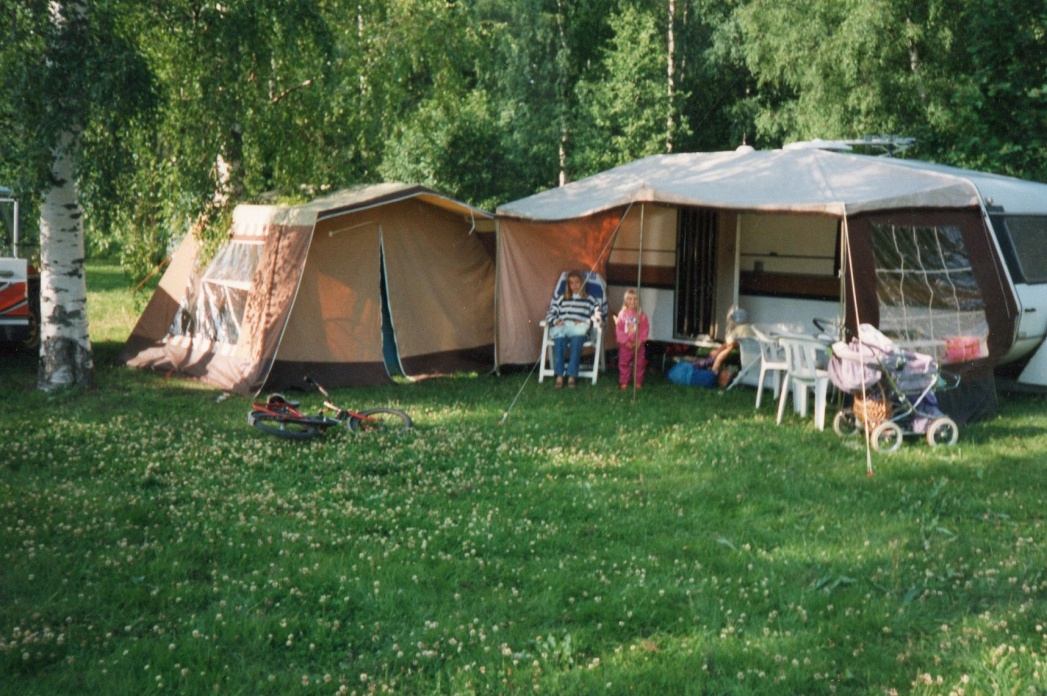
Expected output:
(1024, 243)
(216, 310)
(927, 291)
(695, 272)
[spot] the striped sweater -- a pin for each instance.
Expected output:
(574, 309)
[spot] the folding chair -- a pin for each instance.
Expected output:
(595, 287)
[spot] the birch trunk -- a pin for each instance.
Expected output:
(670, 68)
(65, 349)
(562, 59)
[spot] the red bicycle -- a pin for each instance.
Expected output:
(280, 416)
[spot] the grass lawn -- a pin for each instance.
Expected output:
(679, 543)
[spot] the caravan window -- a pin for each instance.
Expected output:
(1023, 239)
(216, 310)
(790, 255)
(927, 290)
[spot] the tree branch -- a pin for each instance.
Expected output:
(289, 90)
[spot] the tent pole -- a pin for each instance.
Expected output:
(497, 293)
(639, 277)
(845, 229)
(736, 289)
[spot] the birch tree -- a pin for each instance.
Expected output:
(70, 82)
(65, 348)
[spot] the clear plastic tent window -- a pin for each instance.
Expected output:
(927, 292)
(216, 310)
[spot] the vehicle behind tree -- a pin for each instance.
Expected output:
(19, 280)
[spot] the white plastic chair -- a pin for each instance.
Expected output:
(589, 369)
(773, 363)
(749, 357)
(803, 356)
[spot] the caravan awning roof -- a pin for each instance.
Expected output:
(1005, 193)
(811, 181)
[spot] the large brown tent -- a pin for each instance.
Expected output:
(347, 288)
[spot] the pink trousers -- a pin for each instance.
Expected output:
(625, 364)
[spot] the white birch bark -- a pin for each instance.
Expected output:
(561, 78)
(65, 348)
(670, 68)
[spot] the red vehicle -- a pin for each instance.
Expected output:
(19, 280)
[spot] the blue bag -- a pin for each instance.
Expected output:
(691, 375)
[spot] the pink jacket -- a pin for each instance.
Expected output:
(630, 326)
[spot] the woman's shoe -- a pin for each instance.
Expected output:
(623, 387)
(571, 382)
(559, 382)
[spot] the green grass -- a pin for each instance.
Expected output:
(679, 543)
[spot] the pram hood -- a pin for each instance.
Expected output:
(860, 363)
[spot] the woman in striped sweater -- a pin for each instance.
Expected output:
(569, 318)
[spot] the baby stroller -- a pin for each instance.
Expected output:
(892, 391)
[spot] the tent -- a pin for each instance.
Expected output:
(349, 288)
(788, 234)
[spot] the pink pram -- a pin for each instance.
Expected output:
(874, 364)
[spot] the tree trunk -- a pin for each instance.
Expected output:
(914, 62)
(65, 348)
(562, 62)
(670, 61)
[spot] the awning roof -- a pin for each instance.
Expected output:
(812, 181)
(257, 217)
(1011, 195)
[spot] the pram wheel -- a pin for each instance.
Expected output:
(845, 424)
(886, 437)
(942, 431)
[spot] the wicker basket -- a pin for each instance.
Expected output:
(873, 409)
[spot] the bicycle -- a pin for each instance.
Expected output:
(282, 418)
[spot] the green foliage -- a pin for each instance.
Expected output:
(452, 147)
(675, 543)
(625, 103)
(966, 79)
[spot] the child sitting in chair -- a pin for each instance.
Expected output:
(631, 328)
(570, 317)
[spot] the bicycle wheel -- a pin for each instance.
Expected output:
(287, 429)
(380, 419)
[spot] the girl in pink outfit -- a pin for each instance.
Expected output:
(631, 328)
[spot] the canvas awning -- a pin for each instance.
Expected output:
(809, 181)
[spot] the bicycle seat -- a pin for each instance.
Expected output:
(276, 400)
